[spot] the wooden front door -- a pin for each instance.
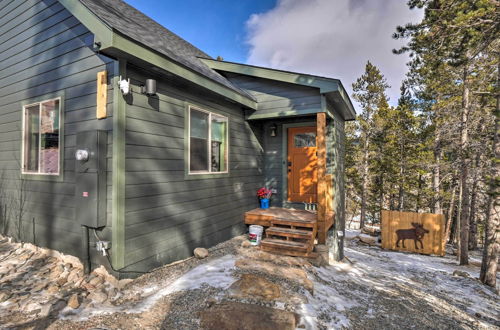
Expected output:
(302, 164)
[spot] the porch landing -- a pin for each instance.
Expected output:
(263, 217)
(288, 231)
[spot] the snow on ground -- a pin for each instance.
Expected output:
(215, 273)
(383, 282)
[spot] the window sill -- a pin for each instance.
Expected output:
(198, 176)
(42, 177)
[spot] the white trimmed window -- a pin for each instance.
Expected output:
(208, 145)
(41, 138)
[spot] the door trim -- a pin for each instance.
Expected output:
(284, 168)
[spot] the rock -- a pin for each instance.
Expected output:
(79, 282)
(75, 275)
(368, 239)
(96, 281)
(62, 280)
(253, 286)
(4, 296)
(247, 316)
(293, 274)
(73, 301)
(461, 273)
(200, 253)
(103, 272)
(98, 296)
(260, 255)
(124, 282)
(246, 244)
(39, 287)
(112, 292)
(32, 306)
(52, 289)
(25, 256)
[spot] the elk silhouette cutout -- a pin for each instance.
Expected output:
(416, 234)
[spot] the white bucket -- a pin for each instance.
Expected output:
(255, 234)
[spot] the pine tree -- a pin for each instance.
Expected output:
(369, 92)
(455, 32)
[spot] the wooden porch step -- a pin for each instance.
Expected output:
(294, 222)
(289, 232)
(284, 245)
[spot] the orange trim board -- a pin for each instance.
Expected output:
(102, 93)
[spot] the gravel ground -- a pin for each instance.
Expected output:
(375, 289)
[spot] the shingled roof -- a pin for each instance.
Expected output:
(133, 24)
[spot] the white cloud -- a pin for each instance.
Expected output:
(332, 38)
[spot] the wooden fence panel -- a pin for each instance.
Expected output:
(392, 221)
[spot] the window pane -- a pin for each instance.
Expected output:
(49, 135)
(198, 141)
(305, 140)
(31, 138)
(219, 144)
(199, 124)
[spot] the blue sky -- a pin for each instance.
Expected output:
(332, 38)
(215, 26)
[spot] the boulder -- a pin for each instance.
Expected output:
(292, 274)
(96, 281)
(461, 273)
(254, 286)
(247, 316)
(368, 239)
(74, 301)
(98, 296)
(53, 289)
(122, 283)
(200, 253)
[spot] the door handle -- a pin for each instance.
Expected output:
(289, 163)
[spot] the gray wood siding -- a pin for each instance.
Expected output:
(278, 98)
(44, 50)
(168, 216)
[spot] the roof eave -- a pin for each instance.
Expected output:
(113, 41)
(325, 85)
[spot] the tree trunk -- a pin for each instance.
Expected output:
(456, 234)
(419, 189)
(382, 196)
(436, 174)
(401, 181)
(489, 264)
(450, 215)
(364, 183)
(464, 140)
(472, 216)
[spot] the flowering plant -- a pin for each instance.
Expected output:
(264, 193)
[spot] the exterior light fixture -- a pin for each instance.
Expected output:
(124, 85)
(150, 87)
(274, 129)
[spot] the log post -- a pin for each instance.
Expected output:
(321, 172)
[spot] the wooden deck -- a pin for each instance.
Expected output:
(263, 217)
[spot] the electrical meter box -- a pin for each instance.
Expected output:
(90, 171)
